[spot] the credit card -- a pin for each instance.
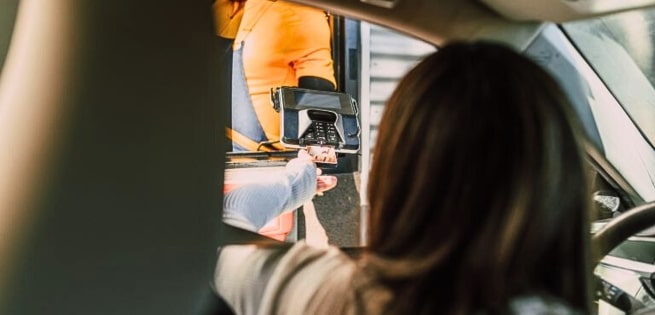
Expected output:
(322, 155)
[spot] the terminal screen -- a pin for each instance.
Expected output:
(315, 100)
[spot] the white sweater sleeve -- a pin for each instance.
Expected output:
(253, 205)
(281, 280)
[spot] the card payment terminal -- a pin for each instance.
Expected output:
(317, 118)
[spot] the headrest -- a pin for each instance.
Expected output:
(111, 172)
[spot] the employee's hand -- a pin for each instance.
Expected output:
(324, 182)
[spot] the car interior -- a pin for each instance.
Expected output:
(114, 159)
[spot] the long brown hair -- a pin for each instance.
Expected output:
(477, 188)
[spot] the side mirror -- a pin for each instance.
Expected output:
(606, 203)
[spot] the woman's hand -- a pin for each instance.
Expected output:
(323, 182)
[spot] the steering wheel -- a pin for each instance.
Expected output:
(628, 224)
(621, 228)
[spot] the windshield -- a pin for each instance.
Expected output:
(621, 49)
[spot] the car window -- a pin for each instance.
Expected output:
(369, 60)
(621, 49)
(386, 57)
(391, 55)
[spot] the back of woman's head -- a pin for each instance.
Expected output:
(477, 188)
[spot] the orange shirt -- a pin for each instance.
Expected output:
(227, 17)
(281, 43)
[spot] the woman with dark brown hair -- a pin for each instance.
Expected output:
(477, 195)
